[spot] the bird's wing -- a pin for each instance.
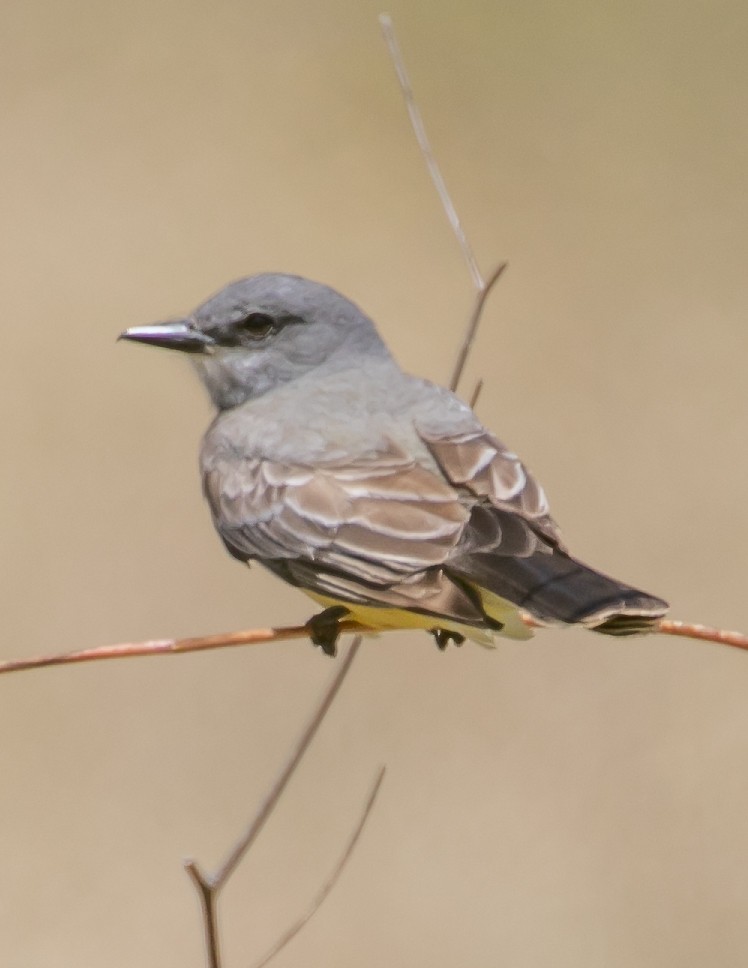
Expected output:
(385, 530)
(537, 575)
(507, 497)
(377, 519)
(384, 517)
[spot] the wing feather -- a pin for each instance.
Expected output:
(380, 518)
(479, 463)
(374, 519)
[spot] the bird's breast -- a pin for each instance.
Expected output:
(343, 416)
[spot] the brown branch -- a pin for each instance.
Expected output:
(476, 393)
(208, 899)
(209, 885)
(331, 880)
(200, 643)
(481, 296)
(224, 640)
(703, 633)
(250, 835)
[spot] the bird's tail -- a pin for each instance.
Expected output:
(556, 588)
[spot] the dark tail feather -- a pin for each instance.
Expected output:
(557, 588)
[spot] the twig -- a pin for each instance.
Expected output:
(224, 640)
(482, 287)
(476, 393)
(200, 643)
(209, 885)
(704, 633)
(331, 880)
(388, 30)
(208, 900)
(472, 327)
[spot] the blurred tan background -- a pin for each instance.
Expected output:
(573, 801)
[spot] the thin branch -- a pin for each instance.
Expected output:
(703, 633)
(151, 647)
(235, 856)
(209, 885)
(388, 30)
(472, 327)
(208, 900)
(226, 869)
(482, 287)
(224, 640)
(476, 393)
(331, 880)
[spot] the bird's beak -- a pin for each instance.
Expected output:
(178, 335)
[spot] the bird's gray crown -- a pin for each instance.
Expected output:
(280, 294)
(264, 331)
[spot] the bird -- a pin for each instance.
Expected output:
(379, 494)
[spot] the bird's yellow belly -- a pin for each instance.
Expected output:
(384, 618)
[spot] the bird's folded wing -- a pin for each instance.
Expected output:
(385, 517)
(508, 497)
(378, 519)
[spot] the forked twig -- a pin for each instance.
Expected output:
(472, 327)
(226, 869)
(331, 880)
(210, 885)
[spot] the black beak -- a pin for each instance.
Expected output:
(177, 335)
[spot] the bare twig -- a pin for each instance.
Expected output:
(208, 900)
(209, 885)
(476, 393)
(704, 633)
(236, 854)
(472, 327)
(482, 287)
(331, 880)
(224, 640)
(388, 30)
(200, 643)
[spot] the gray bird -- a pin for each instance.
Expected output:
(377, 493)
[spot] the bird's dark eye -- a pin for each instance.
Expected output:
(256, 325)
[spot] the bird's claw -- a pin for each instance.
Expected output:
(443, 637)
(324, 628)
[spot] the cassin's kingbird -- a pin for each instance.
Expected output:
(379, 494)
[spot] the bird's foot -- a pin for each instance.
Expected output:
(443, 637)
(324, 628)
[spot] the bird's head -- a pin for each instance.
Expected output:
(263, 331)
